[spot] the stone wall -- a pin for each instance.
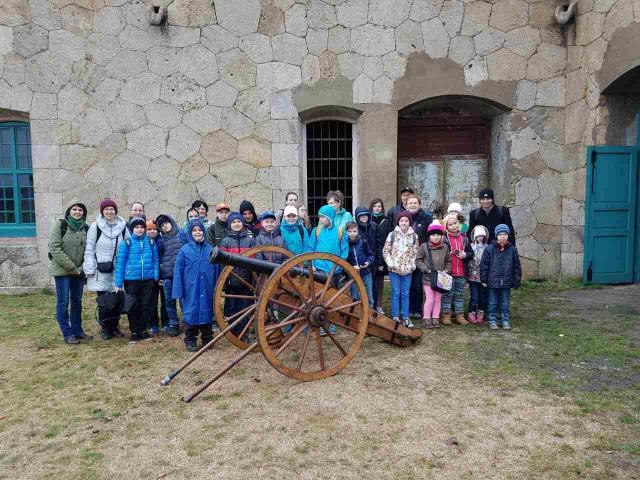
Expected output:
(210, 104)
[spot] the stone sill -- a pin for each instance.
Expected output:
(9, 241)
(24, 290)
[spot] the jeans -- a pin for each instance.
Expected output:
(499, 298)
(400, 286)
(455, 295)
(141, 289)
(477, 297)
(368, 285)
(415, 298)
(170, 303)
(69, 290)
(432, 303)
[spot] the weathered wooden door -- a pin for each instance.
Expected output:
(611, 223)
(444, 159)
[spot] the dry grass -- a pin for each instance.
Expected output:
(444, 409)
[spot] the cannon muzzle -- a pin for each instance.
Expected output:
(259, 266)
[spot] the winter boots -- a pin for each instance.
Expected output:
(446, 319)
(460, 319)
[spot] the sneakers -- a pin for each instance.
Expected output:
(427, 323)
(480, 316)
(435, 323)
(173, 331)
(380, 311)
(396, 319)
(332, 329)
(408, 323)
(506, 325)
(153, 331)
(106, 335)
(117, 333)
(473, 317)
(493, 325)
(71, 340)
(191, 345)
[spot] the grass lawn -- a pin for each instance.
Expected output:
(558, 397)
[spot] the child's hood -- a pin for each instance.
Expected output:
(163, 218)
(329, 212)
(363, 211)
(478, 231)
(193, 223)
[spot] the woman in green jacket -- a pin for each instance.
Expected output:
(67, 242)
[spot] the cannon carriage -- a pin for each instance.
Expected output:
(307, 315)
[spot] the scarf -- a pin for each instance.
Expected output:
(377, 215)
(75, 224)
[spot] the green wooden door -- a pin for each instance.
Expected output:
(610, 224)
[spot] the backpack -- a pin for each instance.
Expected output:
(63, 230)
(318, 233)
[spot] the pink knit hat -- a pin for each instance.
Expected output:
(435, 227)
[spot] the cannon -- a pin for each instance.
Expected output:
(307, 315)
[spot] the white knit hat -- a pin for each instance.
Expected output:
(454, 207)
(290, 209)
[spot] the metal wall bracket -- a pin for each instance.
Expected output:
(564, 14)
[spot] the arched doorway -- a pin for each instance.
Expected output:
(445, 149)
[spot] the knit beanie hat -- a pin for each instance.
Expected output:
(502, 228)
(290, 209)
(151, 224)
(448, 217)
(234, 216)
(435, 228)
(454, 207)
(268, 214)
(486, 193)
(137, 221)
(107, 202)
(403, 215)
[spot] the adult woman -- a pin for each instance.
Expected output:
(376, 207)
(103, 239)
(303, 216)
(335, 199)
(420, 221)
(67, 241)
(289, 199)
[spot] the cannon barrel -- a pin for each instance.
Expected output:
(259, 266)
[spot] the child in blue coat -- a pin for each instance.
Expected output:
(500, 271)
(137, 269)
(327, 238)
(362, 259)
(193, 284)
(293, 232)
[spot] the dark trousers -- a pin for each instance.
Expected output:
(69, 291)
(141, 290)
(378, 289)
(477, 297)
(109, 324)
(234, 305)
(416, 294)
(191, 333)
(153, 318)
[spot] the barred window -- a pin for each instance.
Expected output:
(17, 211)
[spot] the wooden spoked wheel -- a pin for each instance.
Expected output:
(312, 307)
(227, 286)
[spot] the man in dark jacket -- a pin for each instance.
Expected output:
(169, 245)
(250, 217)
(219, 229)
(490, 216)
(500, 271)
(405, 193)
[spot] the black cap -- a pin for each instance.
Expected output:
(486, 193)
(407, 189)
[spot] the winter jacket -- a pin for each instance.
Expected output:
(237, 243)
(295, 237)
(384, 229)
(194, 280)
(395, 210)
(341, 218)
(369, 231)
(473, 267)
(359, 254)
(500, 268)
(327, 240)
(101, 250)
(400, 251)
(496, 216)
(273, 239)
(216, 232)
(137, 260)
(169, 245)
(254, 226)
(441, 256)
(466, 248)
(67, 252)
(420, 222)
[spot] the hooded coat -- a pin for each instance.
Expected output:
(254, 226)
(327, 240)
(194, 280)
(473, 273)
(341, 218)
(137, 260)
(500, 267)
(273, 239)
(102, 249)
(369, 231)
(169, 245)
(295, 237)
(67, 252)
